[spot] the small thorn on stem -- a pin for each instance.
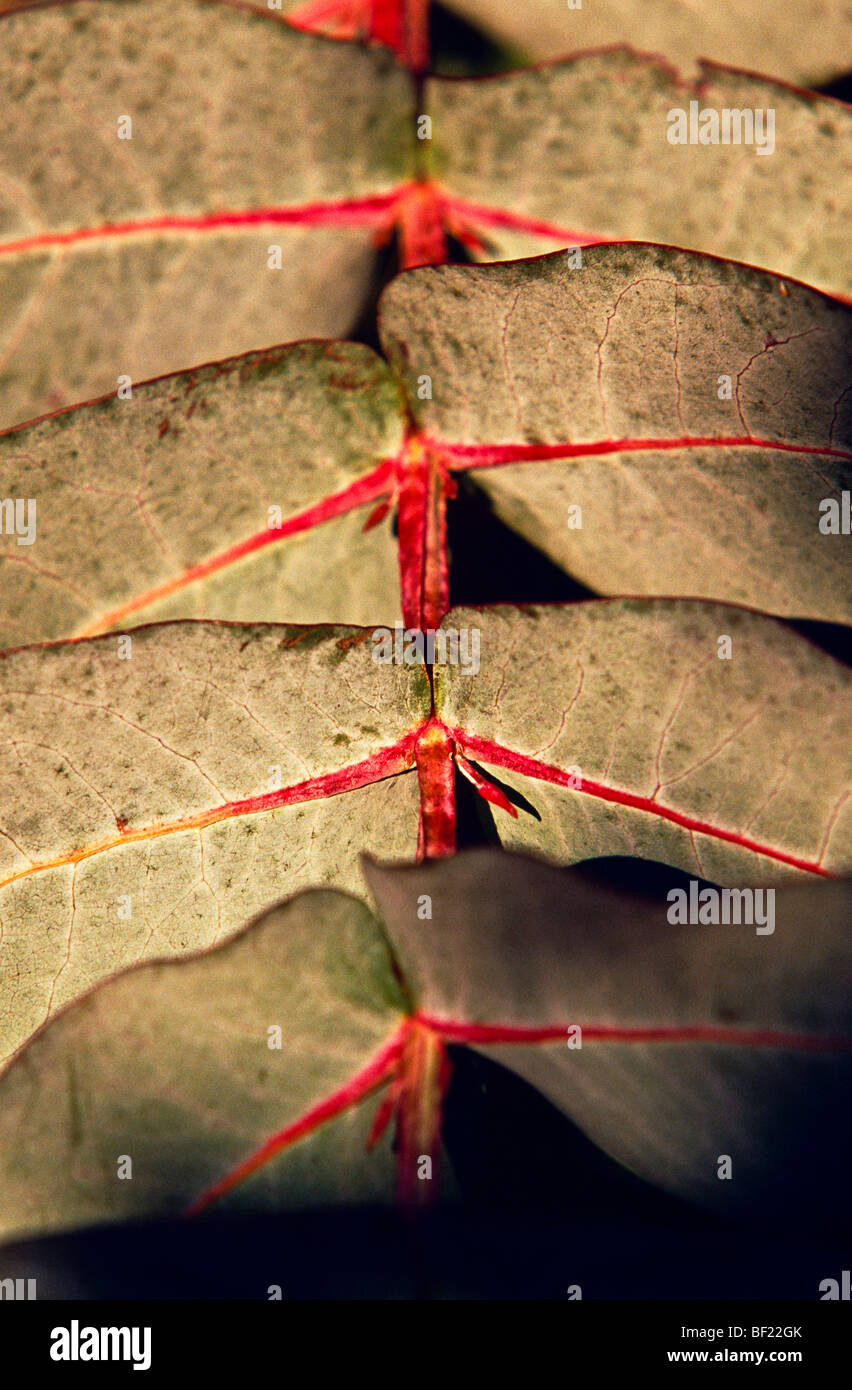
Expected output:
(485, 788)
(378, 514)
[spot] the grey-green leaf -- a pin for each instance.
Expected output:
(585, 146)
(236, 126)
(185, 1071)
(710, 738)
(165, 504)
(513, 943)
(145, 809)
(694, 417)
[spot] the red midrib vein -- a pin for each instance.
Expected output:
(373, 211)
(379, 483)
(462, 456)
(399, 757)
(386, 1064)
(494, 1033)
(498, 756)
(378, 210)
(374, 484)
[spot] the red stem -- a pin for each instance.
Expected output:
(402, 25)
(423, 1077)
(422, 226)
(423, 485)
(436, 775)
(412, 495)
(436, 568)
(416, 1064)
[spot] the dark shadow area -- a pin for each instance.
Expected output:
(513, 1151)
(460, 50)
(474, 821)
(834, 638)
(490, 563)
(840, 88)
(490, 1115)
(542, 1210)
(385, 267)
(643, 877)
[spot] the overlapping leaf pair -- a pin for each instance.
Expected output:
(661, 423)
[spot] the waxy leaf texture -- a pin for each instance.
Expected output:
(175, 1068)
(802, 44)
(696, 1041)
(151, 805)
(149, 254)
(737, 770)
(552, 388)
(185, 179)
(583, 144)
(118, 255)
(233, 491)
(696, 414)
